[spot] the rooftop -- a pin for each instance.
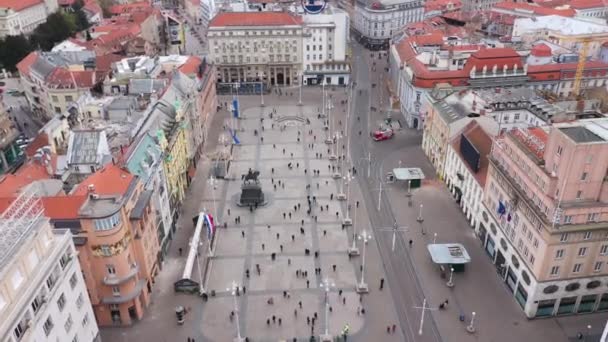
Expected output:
(482, 142)
(87, 147)
(563, 25)
(110, 180)
(586, 4)
(255, 19)
(532, 139)
(18, 5)
(526, 8)
(581, 134)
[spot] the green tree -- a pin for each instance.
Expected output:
(12, 50)
(58, 27)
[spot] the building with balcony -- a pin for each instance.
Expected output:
(254, 47)
(376, 22)
(543, 220)
(22, 17)
(11, 154)
(43, 296)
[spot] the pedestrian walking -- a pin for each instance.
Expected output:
(263, 246)
(180, 250)
(274, 319)
(300, 304)
(394, 327)
(411, 242)
(334, 267)
(357, 204)
(340, 292)
(281, 248)
(280, 320)
(293, 238)
(344, 300)
(388, 329)
(307, 284)
(284, 215)
(381, 283)
(242, 233)
(278, 236)
(325, 234)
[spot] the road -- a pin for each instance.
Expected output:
(406, 288)
(19, 109)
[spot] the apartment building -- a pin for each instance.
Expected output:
(43, 296)
(10, 150)
(543, 220)
(478, 5)
(376, 22)
(325, 49)
(256, 47)
(22, 17)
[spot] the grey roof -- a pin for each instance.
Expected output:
(452, 112)
(581, 134)
(84, 146)
(141, 204)
(122, 103)
(42, 67)
(139, 86)
(448, 253)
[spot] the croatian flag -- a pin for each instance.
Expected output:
(210, 225)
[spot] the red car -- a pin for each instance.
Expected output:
(382, 134)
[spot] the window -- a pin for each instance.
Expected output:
(604, 250)
(17, 279)
(587, 235)
(598, 266)
(593, 217)
(582, 251)
(559, 254)
(532, 259)
(584, 176)
(19, 330)
(85, 320)
(111, 269)
(79, 301)
(116, 291)
(560, 150)
(54, 98)
(554, 270)
(48, 326)
(75, 339)
(568, 219)
(579, 194)
(73, 280)
(535, 243)
(68, 323)
(64, 260)
(577, 268)
(108, 222)
(36, 304)
(69, 98)
(61, 302)
(563, 237)
(33, 259)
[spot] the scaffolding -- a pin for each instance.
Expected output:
(18, 221)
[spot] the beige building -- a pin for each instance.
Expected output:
(23, 16)
(544, 213)
(256, 47)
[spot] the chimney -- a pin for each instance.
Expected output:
(91, 189)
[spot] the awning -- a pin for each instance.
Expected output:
(411, 173)
(449, 253)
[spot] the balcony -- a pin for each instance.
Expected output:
(114, 279)
(126, 297)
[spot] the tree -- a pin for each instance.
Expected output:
(12, 50)
(58, 27)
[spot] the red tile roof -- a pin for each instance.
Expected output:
(18, 5)
(191, 66)
(435, 38)
(11, 184)
(63, 78)
(478, 137)
(63, 207)
(110, 180)
(541, 50)
(538, 10)
(586, 4)
(93, 7)
(254, 19)
(442, 5)
(129, 8)
(24, 65)
(41, 140)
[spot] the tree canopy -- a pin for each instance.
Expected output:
(58, 27)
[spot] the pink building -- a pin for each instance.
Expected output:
(544, 216)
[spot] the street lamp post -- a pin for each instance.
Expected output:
(450, 282)
(300, 76)
(362, 286)
(409, 188)
(423, 308)
(262, 93)
(353, 250)
(233, 289)
(341, 196)
(334, 156)
(434, 238)
(394, 229)
(327, 286)
(420, 218)
(471, 326)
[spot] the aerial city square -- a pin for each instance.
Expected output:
(304, 170)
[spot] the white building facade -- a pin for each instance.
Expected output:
(25, 17)
(43, 296)
(375, 23)
(256, 47)
(324, 48)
